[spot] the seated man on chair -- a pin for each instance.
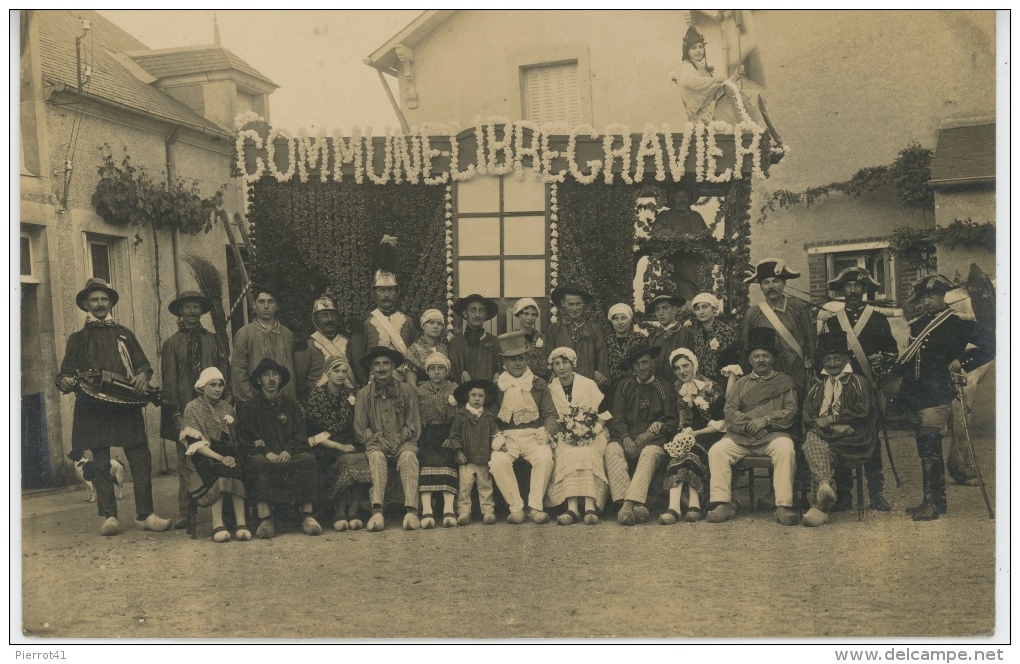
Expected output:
(387, 421)
(839, 420)
(644, 418)
(760, 414)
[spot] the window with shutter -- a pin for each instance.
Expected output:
(551, 93)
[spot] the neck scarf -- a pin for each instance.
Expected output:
(518, 406)
(474, 335)
(691, 389)
(94, 322)
(193, 356)
(833, 391)
(273, 329)
(770, 374)
(475, 412)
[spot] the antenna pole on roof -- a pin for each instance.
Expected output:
(215, 30)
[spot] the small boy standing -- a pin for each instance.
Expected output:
(840, 415)
(473, 435)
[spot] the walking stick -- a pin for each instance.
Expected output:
(959, 381)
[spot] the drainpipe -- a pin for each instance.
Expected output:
(171, 177)
(393, 102)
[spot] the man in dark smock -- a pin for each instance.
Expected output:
(670, 334)
(870, 329)
(577, 332)
(185, 354)
(938, 349)
(474, 354)
(99, 425)
(281, 468)
(644, 417)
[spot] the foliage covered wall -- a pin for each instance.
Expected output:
(333, 228)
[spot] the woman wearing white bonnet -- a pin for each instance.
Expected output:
(622, 342)
(700, 409)
(579, 473)
(211, 467)
(432, 340)
(527, 313)
(716, 340)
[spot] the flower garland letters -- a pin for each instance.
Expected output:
(501, 147)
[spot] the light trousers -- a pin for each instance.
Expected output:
(648, 462)
(616, 471)
(407, 466)
(726, 452)
(471, 475)
(530, 445)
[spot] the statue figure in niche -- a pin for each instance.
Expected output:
(676, 221)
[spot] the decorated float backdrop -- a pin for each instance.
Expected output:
(508, 209)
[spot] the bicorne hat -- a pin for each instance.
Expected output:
(933, 284)
(771, 267)
(855, 275)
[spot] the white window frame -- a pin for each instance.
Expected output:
(29, 277)
(118, 259)
(890, 287)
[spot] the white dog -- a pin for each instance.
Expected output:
(85, 469)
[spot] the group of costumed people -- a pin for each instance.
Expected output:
(604, 418)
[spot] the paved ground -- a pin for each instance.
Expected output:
(887, 576)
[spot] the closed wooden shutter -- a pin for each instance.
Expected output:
(551, 94)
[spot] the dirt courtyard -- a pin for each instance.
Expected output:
(886, 576)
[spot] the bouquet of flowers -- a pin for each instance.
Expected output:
(681, 444)
(580, 426)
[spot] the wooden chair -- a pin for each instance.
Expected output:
(750, 464)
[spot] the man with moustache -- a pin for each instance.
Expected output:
(761, 412)
(386, 325)
(325, 342)
(942, 345)
(387, 421)
(789, 317)
(102, 344)
(869, 337)
(185, 355)
(474, 354)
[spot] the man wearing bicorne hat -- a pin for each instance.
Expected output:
(574, 330)
(324, 343)
(670, 334)
(526, 312)
(98, 425)
(644, 417)
(387, 421)
(938, 350)
(789, 317)
(185, 355)
(386, 325)
(264, 337)
(527, 418)
(840, 422)
(761, 412)
(869, 338)
(474, 354)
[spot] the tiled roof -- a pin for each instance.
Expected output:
(110, 80)
(964, 154)
(168, 62)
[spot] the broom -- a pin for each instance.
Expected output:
(210, 284)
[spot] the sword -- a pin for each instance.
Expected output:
(959, 381)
